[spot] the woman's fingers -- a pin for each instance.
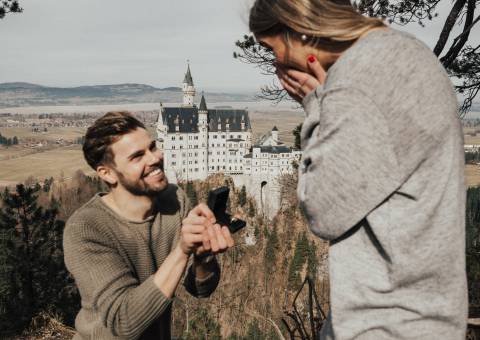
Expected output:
(303, 82)
(317, 69)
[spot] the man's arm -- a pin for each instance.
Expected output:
(107, 284)
(203, 275)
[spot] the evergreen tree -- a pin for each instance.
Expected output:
(191, 194)
(15, 140)
(34, 276)
(296, 133)
(203, 326)
(298, 260)
(242, 197)
(251, 209)
(271, 251)
(312, 261)
(254, 332)
(472, 221)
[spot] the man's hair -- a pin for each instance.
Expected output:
(103, 133)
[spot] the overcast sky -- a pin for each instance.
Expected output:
(87, 42)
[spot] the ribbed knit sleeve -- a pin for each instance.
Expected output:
(106, 283)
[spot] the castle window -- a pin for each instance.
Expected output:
(181, 137)
(173, 137)
(223, 136)
(215, 136)
(239, 136)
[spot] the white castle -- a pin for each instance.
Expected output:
(198, 142)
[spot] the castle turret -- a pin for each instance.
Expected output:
(161, 128)
(203, 137)
(188, 88)
(275, 135)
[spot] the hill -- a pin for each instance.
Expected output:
(27, 94)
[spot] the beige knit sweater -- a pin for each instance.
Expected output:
(113, 261)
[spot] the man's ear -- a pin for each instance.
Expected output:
(107, 174)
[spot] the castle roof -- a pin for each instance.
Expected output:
(274, 128)
(274, 149)
(188, 77)
(233, 117)
(187, 119)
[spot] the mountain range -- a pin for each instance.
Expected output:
(27, 94)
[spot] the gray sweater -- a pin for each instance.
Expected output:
(382, 177)
(113, 261)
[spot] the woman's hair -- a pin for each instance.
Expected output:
(322, 21)
(103, 133)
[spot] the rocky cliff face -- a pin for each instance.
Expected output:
(259, 281)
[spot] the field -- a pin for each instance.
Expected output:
(57, 163)
(19, 163)
(54, 133)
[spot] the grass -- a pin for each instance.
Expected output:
(57, 163)
(53, 133)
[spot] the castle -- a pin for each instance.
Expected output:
(198, 142)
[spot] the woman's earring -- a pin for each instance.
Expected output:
(304, 37)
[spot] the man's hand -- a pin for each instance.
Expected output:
(299, 84)
(199, 234)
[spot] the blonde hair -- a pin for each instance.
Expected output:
(334, 22)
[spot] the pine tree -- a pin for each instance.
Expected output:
(296, 133)
(472, 221)
(254, 332)
(271, 251)
(242, 197)
(203, 326)
(34, 275)
(298, 260)
(191, 194)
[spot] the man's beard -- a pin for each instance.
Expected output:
(140, 187)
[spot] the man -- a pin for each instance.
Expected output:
(128, 249)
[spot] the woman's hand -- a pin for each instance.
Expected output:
(299, 84)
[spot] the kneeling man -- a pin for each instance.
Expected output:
(128, 249)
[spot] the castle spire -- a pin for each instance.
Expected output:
(188, 88)
(188, 76)
(203, 104)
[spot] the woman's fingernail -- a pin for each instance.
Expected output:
(311, 59)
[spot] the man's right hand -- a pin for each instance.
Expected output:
(194, 228)
(199, 234)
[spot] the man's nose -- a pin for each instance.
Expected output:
(155, 157)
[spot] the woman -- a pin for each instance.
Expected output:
(382, 169)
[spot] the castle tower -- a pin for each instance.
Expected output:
(203, 137)
(188, 88)
(275, 135)
(161, 128)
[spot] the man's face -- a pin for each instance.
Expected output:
(138, 164)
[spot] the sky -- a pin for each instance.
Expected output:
(90, 42)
